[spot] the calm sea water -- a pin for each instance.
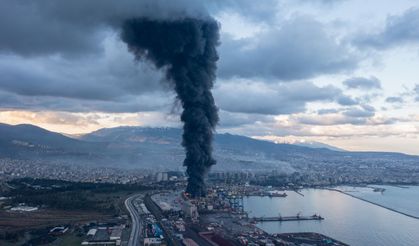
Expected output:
(347, 219)
(401, 198)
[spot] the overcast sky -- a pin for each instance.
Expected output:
(342, 72)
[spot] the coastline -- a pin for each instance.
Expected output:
(374, 203)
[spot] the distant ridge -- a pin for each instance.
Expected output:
(26, 140)
(317, 145)
(147, 147)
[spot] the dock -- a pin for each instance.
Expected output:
(287, 218)
(265, 194)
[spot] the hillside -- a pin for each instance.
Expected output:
(29, 141)
(143, 147)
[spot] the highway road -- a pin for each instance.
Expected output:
(136, 226)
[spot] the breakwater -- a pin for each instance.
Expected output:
(376, 204)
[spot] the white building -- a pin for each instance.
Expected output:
(190, 210)
(152, 241)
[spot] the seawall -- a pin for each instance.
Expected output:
(376, 204)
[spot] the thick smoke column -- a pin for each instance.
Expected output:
(186, 49)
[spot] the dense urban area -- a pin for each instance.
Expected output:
(79, 205)
(305, 175)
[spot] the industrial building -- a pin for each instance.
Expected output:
(190, 210)
(104, 236)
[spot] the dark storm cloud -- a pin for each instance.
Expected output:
(324, 120)
(327, 2)
(28, 29)
(285, 98)
(37, 82)
(229, 119)
(78, 30)
(359, 115)
(327, 111)
(128, 104)
(31, 70)
(362, 112)
(346, 100)
(75, 27)
(417, 92)
(321, 121)
(363, 83)
(398, 30)
(262, 11)
(110, 84)
(394, 100)
(112, 76)
(300, 48)
(60, 56)
(107, 81)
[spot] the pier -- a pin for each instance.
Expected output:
(287, 218)
(265, 194)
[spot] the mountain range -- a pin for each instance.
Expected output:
(151, 148)
(317, 145)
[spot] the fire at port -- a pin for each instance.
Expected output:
(185, 50)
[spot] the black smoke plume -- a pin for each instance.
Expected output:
(186, 50)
